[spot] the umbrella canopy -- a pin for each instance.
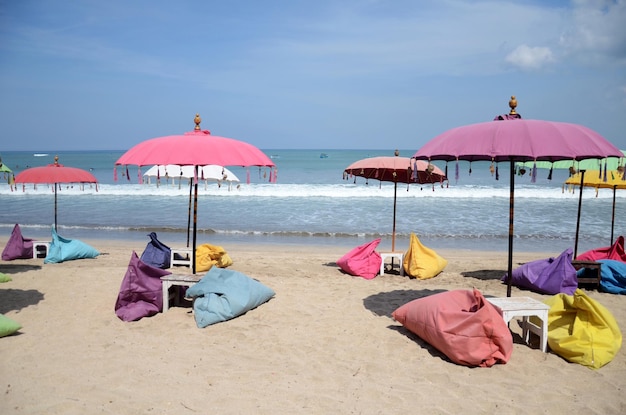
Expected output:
(509, 138)
(614, 179)
(609, 163)
(396, 170)
(55, 174)
(195, 148)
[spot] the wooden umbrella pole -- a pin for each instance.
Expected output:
(580, 203)
(613, 214)
(509, 279)
(195, 222)
(55, 207)
(189, 211)
(393, 234)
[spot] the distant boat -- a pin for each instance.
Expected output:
(40, 154)
(323, 156)
(274, 156)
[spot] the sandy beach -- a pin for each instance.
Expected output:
(325, 344)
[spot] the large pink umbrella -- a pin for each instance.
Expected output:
(55, 174)
(195, 148)
(396, 170)
(509, 138)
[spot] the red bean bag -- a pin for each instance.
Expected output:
(461, 324)
(362, 261)
(614, 252)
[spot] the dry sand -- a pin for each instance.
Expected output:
(326, 344)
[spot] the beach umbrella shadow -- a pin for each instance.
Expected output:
(15, 300)
(385, 303)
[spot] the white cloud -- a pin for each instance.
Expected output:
(530, 58)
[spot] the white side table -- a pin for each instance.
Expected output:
(185, 254)
(40, 244)
(168, 281)
(525, 307)
(392, 255)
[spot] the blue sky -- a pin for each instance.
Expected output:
(343, 74)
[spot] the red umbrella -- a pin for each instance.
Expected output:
(195, 148)
(396, 170)
(54, 174)
(517, 140)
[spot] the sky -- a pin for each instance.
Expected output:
(300, 74)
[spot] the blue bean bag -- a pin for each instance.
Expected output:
(62, 249)
(223, 294)
(613, 276)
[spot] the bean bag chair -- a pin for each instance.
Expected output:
(612, 276)
(8, 326)
(17, 246)
(614, 252)
(581, 330)
(208, 255)
(156, 254)
(421, 262)
(547, 276)
(62, 249)
(141, 292)
(224, 294)
(461, 324)
(362, 261)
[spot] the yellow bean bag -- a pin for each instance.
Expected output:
(208, 255)
(422, 262)
(581, 330)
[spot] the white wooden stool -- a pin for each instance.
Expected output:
(525, 307)
(392, 255)
(171, 280)
(40, 244)
(185, 257)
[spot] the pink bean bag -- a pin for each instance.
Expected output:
(461, 324)
(362, 261)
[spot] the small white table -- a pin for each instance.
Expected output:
(40, 244)
(168, 281)
(392, 255)
(185, 257)
(525, 307)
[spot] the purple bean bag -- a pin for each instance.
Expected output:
(141, 292)
(17, 246)
(547, 276)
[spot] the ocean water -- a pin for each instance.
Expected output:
(312, 203)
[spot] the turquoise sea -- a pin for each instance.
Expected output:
(311, 203)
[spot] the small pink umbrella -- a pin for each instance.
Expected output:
(54, 174)
(511, 139)
(196, 148)
(396, 170)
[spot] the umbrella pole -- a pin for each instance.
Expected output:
(580, 204)
(189, 211)
(393, 234)
(55, 207)
(613, 215)
(195, 221)
(509, 279)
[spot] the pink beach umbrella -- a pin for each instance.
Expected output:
(55, 174)
(396, 170)
(195, 148)
(511, 139)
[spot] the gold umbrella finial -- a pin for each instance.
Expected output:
(197, 120)
(56, 160)
(512, 104)
(396, 153)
